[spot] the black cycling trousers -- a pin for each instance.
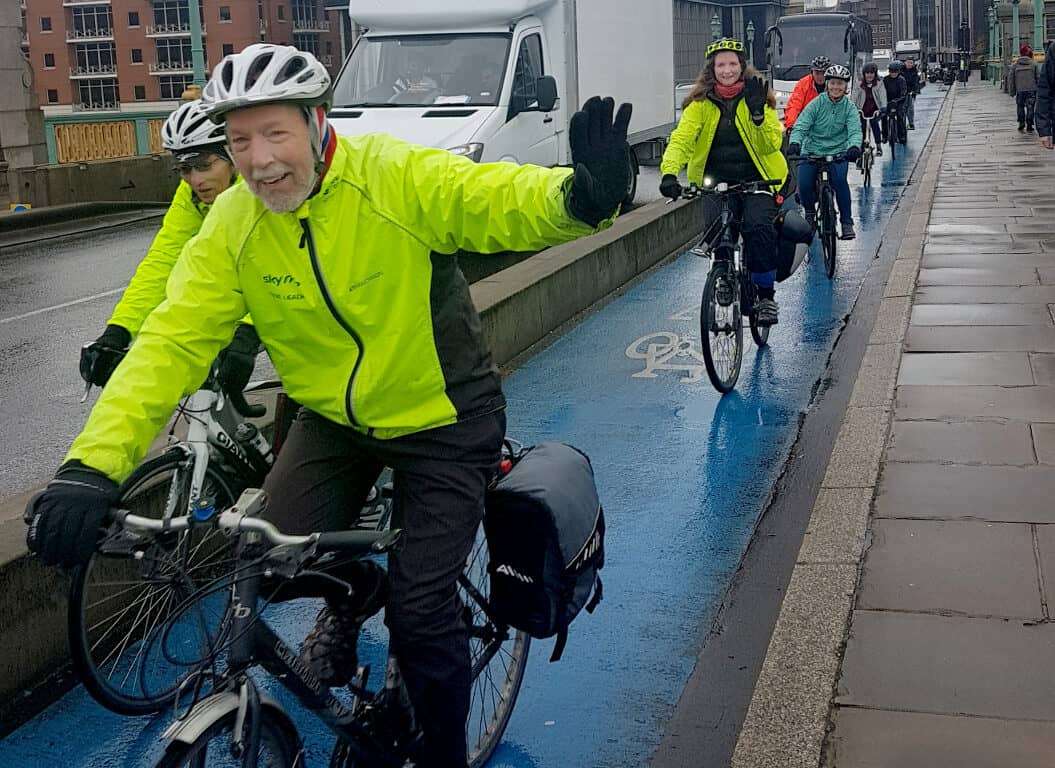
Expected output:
(319, 483)
(758, 230)
(1025, 101)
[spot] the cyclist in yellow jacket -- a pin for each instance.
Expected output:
(199, 148)
(342, 249)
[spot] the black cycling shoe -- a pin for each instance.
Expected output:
(848, 231)
(767, 312)
(330, 650)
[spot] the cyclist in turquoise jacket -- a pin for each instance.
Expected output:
(828, 126)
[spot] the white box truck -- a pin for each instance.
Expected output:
(500, 79)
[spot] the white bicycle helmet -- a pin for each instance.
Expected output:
(837, 72)
(189, 128)
(264, 73)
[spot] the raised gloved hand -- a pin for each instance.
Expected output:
(794, 150)
(69, 516)
(234, 365)
(670, 187)
(853, 153)
(755, 97)
(101, 357)
(601, 156)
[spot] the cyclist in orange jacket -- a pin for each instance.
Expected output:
(806, 90)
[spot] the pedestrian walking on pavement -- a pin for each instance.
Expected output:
(1022, 81)
(1045, 109)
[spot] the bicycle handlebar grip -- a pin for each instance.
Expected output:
(249, 411)
(359, 542)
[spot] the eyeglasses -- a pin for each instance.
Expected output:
(199, 163)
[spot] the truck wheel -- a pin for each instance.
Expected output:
(631, 191)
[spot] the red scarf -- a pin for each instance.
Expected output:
(729, 91)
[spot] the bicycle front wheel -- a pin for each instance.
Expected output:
(892, 136)
(722, 328)
(122, 601)
(828, 236)
(866, 166)
(214, 748)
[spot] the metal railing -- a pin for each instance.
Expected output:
(310, 25)
(68, 3)
(94, 70)
(83, 35)
(173, 30)
(173, 68)
(97, 106)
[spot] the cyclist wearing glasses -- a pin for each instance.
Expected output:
(806, 90)
(342, 249)
(199, 149)
(870, 98)
(729, 132)
(828, 126)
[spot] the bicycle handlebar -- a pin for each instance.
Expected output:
(829, 159)
(694, 190)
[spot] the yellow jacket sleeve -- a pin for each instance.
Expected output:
(170, 357)
(683, 140)
(147, 288)
(450, 203)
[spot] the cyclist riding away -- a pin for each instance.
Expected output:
(343, 251)
(896, 95)
(915, 84)
(729, 132)
(199, 149)
(870, 98)
(830, 125)
(806, 90)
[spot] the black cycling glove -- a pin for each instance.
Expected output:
(853, 153)
(794, 150)
(234, 365)
(67, 518)
(670, 187)
(601, 156)
(101, 357)
(755, 98)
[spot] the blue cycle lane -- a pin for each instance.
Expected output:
(684, 476)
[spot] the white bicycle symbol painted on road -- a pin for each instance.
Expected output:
(667, 351)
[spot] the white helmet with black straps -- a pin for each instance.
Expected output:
(264, 73)
(837, 72)
(189, 128)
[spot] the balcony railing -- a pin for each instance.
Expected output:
(171, 30)
(94, 70)
(88, 35)
(310, 25)
(68, 3)
(173, 68)
(97, 106)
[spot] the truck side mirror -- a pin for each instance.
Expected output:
(546, 93)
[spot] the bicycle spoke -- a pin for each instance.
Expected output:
(143, 644)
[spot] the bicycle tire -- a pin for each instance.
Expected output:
(866, 164)
(828, 237)
(278, 747)
(145, 492)
(892, 136)
(760, 333)
(730, 331)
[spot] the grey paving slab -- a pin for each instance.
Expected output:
(877, 376)
(957, 492)
(980, 314)
(1041, 229)
(1027, 258)
(858, 449)
(966, 369)
(1003, 246)
(1028, 404)
(1046, 555)
(1029, 338)
(996, 222)
(870, 738)
(1043, 365)
(965, 567)
(1044, 442)
(985, 294)
(962, 443)
(1047, 276)
(836, 532)
(940, 664)
(978, 276)
(967, 229)
(891, 320)
(902, 278)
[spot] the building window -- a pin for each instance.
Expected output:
(307, 42)
(133, 18)
(96, 58)
(172, 14)
(174, 53)
(228, 49)
(45, 23)
(225, 13)
(137, 55)
(140, 92)
(53, 96)
(173, 86)
(98, 94)
(92, 21)
(49, 61)
(281, 12)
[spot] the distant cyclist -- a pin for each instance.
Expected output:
(870, 98)
(199, 149)
(830, 125)
(915, 83)
(806, 90)
(729, 132)
(896, 96)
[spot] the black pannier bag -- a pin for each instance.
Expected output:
(794, 238)
(545, 535)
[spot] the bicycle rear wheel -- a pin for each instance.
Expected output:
(122, 600)
(828, 237)
(722, 327)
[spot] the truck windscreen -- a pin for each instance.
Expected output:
(803, 43)
(423, 70)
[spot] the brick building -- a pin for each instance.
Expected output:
(99, 62)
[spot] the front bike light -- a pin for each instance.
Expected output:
(708, 181)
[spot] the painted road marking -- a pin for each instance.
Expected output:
(64, 305)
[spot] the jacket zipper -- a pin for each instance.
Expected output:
(317, 269)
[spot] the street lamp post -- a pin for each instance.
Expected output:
(197, 50)
(992, 43)
(751, 42)
(1016, 28)
(1038, 25)
(716, 26)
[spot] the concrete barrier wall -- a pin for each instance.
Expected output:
(519, 307)
(129, 179)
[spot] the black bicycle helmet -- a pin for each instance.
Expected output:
(870, 67)
(895, 66)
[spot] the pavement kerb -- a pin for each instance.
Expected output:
(787, 720)
(519, 308)
(53, 214)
